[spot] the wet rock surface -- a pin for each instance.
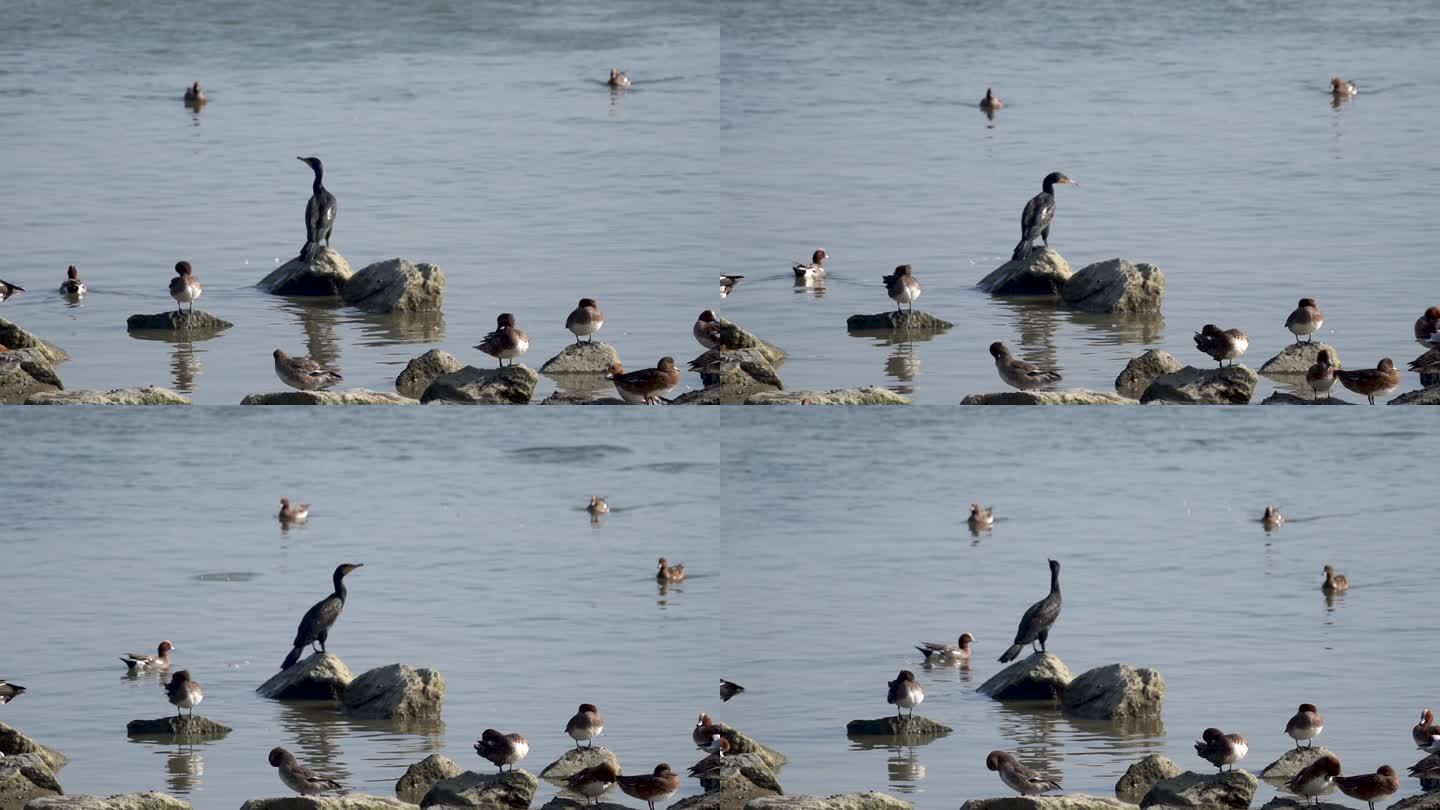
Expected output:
(511, 385)
(1140, 777)
(1297, 358)
(872, 395)
(319, 676)
(511, 790)
(1231, 385)
(582, 358)
(422, 370)
(897, 320)
(892, 726)
(1039, 676)
(177, 321)
(395, 692)
(1231, 789)
(1074, 396)
(353, 396)
(1142, 370)
(1043, 272)
(1115, 286)
(190, 726)
(1115, 692)
(323, 276)
(148, 395)
(395, 285)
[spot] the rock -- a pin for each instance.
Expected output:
(568, 803)
(565, 396)
(1115, 692)
(1297, 358)
(1116, 286)
(733, 337)
(26, 777)
(1191, 789)
(14, 743)
(188, 726)
(353, 396)
(396, 285)
(892, 726)
(423, 370)
(727, 798)
(149, 395)
(1279, 803)
(841, 801)
(741, 743)
(871, 395)
(1070, 801)
(1292, 762)
(511, 385)
(422, 776)
(13, 337)
(742, 772)
(1075, 396)
(173, 321)
(123, 801)
(576, 760)
(350, 801)
(582, 358)
(737, 368)
(723, 394)
(1425, 801)
(1041, 676)
(395, 692)
(1142, 370)
(1143, 775)
(1231, 385)
(326, 275)
(320, 676)
(893, 320)
(510, 790)
(1282, 398)
(25, 379)
(1429, 395)
(1042, 272)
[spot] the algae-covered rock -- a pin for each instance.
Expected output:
(1041, 676)
(1115, 692)
(1292, 762)
(149, 395)
(582, 358)
(13, 337)
(422, 370)
(892, 726)
(575, 760)
(740, 772)
(871, 395)
(733, 796)
(395, 692)
(1041, 272)
(1282, 398)
(736, 367)
(324, 275)
(349, 801)
(419, 778)
(320, 676)
(1115, 286)
(353, 396)
(897, 320)
(1074, 396)
(14, 743)
(1142, 370)
(177, 321)
(733, 337)
(726, 393)
(841, 801)
(742, 743)
(1297, 358)
(26, 777)
(396, 285)
(511, 790)
(188, 726)
(1231, 385)
(511, 385)
(1070, 801)
(122, 801)
(1190, 789)
(1143, 775)
(24, 377)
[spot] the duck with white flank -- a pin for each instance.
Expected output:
(1017, 777)
(1272, 519)
(585, 725)
(1221, 344)
(670, 573)
(618, 79)
(183, 693)
(304, 373)
(650, 788)
(959, 651)
(904, 693)
(1039, 212)
(10, 691)
(1371, 382)
(1321, 376)
(1306, 724)
(502, 749)
(593, 781)
(1371, 787)
(1334, 583)
(597, 507)
(1425, 729)
(707, 330)
(1019, 373)
(72, 286)
(316, 623)
(1340, 88)
(1427, 324)
(507, 342)
(319, 212)
(297, 777)
(8, 290)
(137, 663)
(1036, 623)
(297, 513)
(1221, 749)
(1305, 320)
(729, 689)
(703, 731)
(648, 385)
(902, 287)
(981, 518)
(585, 320)
(814, 269)
(1315, 778)
(184, 288)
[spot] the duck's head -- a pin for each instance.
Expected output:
(902, 270)
(1433, 313)
(1386, 771)
(663, 769)
(587, 302)
(1307, 707)
(1307, 302)
(588, 707)
(905, 675)
(819, 256)
(183, 268)
(489, 734)
(995, 760)
(704, 720)
(1210, 330)
(614, 370)
(997, 350)
(708, 316)
(279, 756)
(505, 319)
(1386, 365)
(1212, 734)
(72, 273)
(663, 563)
(279, 354)
(164, 648)
(1323, 357)
(966, 640)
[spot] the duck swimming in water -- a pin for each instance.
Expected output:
(1340, 88)
(1334, 583)
(1272, 519)
(618, 79)
(1039, 212)
(137, 663)
(293, 514)
(193, 96)
(670, 573)
(72, 285)
(816, 267)
(960, 651)
(991, 101)
(981, 518)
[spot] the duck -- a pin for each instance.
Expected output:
(183, 692)
(193, 95)
(1306, 724)
(1017, 777)
(902, 287)
(303, 373)
(727, 285)
(1425, 729)
(597, 507)
(648, 385)
(1427, 324)
(507, 342)
(8, 290)
(1371, 787)
(1221, 345)
(1315, 778)
(502, 749)
(657, 786)
(729, 689)
(297, 777)
(707, 330)
(585, 320)
(959, 651)
(293, 514)
(1221, 749)
(981, 518)
(1306, 319)
(1371, 382)
(1018, 373)
(586, 724)
(1321, 376)
(717, 744)
(1341, 88)
(815, 269)
(1334, 583)
(991, 101)
(904, 693)
(1427, 363)
(618, 78)
(1427, 768)
(159, 662)
(10, 691)
(670, 573)
(592, 782)
(72, 285)
(703, 731)
(184, 288)
(1272, 519)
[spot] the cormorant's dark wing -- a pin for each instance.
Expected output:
(1037, 215)
(320, 616)
(1040, 615)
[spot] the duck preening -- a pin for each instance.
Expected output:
(507, 342)
(183, 693)
(1039, 212)
(1315, 778)
(904, 693)
(184, 287)
(1017, 777)
(1221, 749)
(316, 623)
(1306, 724)
(586, 724)
(593, 781)
(319, 212)
(585, 320)
(1038, 619)
(502, 749)
(814, 268)
(193, 95)
(297, 777)
(1221, 344)
(902, 287)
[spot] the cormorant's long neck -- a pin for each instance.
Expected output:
(317, 187)
(1055, 581)
(1049, 187)
(339, 578)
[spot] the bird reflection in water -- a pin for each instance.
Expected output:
(1036, 738)
(663, 589)
(314, 734)
(184, 366)
(814, 286)
(184, 769)
(904, 769)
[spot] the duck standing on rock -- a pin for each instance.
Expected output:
(1019, 373)
(72, 286)
(1315, 778)
(593, 781)
(1221, 344)
(1035, 219)
(648, 385)
(319, 212)
(297, 777)
(960, 651)
(585, 725)
(502, 749)
(1371, 787)
(1036, 623)
(1371, 382)
(1425, 729)
(184, 288)
(1221, 749)
(707, 330)
(1306, 319)
(1306, 724)
(10, 691)
(137, 663)
(902, 287)
(507, 342)
(650, 788)
(1321, 375)
(904, 693)
(8, 290)
(1427, 324)
(703, 731)
(1017, 777)
(304, 373)
(585, 320)
(183, 693)
(316, 623)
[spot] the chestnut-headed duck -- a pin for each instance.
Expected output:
(585, 725)
(507, 342)
(1371, 382)
(816, 267)
(1306, 724)
(960, 651)
(1221, 344)
(72, 285)
(159, 662)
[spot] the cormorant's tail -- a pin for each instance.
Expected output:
(1021, 250)
(292, 658)
(1012, 653)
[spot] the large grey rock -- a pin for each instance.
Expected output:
(741, 743)
(1297, 358)
(511, 385)
(733, 796)
(1191, 789)
(871, 395)
(395, 692)
(1040, 676)
(1115, 692)
(149, 395)
(1285, 803)
(569, 803)
(1231, 385)
(1075, 396)
(582, 358)
(896, 320)
(422, 370)
(1282, 398)
(26, 777)
(1042, 272)
(511, 790)
(1143, 775)
(892, 726)
(13, 337)
(14, 743)
(122, 801)
(736, 367)
(726, 393)
(32, 375)
(566, 396)
(1116, 286)
(1425, 801)
(575, 760)
(186, 726)
(419, 778)
(734, 337)
(1071, 801)
(841, 801)
(396, 285)
(353, 396)
(740, 772)
(1142, 370)
(325, 275)
(350, 801)
(177, 321)
(320, 676)
(1429, 395)
(1293, 761)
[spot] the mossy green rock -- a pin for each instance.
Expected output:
(177, 321)
(897, 320)
(189, 726)
(149, 395)
(892, 726)
(872, 395)
(511, 790)
(123, 801)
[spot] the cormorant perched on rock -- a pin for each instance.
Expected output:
(319, 212)
(315, 626)
(1035, 219)
(1036, 623)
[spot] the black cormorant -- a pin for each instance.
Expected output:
(1035, 219)
(319, 212)
(1035, 624)
(315, 626)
